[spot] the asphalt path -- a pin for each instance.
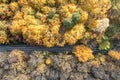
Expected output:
(35, 48)
(29, 48)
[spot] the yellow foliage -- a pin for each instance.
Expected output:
(52, 35)
(48, 61)
(18, 15)
(51, 2)
(97, 8)
(76, 33)
(17, 53)
(3, 37)
(20, 63)
(19, 66)
(83, 16)
(17, 26)
(28, 10)
(47, 9)
(83, 53)
(114, 54)
(60, 2)
(14, 6)
(33, 34)
(54, 22)
(66, 10)
(99, 25)
(4, 10)
(50, 39)
(41, 68)
(21, 21)
(37, 4)
(23, 2)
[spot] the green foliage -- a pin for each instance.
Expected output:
(68, 23)
(71, 22)
(51, 15)
(87, 28)
(105, 44)
(75, 17)
(112, 30)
